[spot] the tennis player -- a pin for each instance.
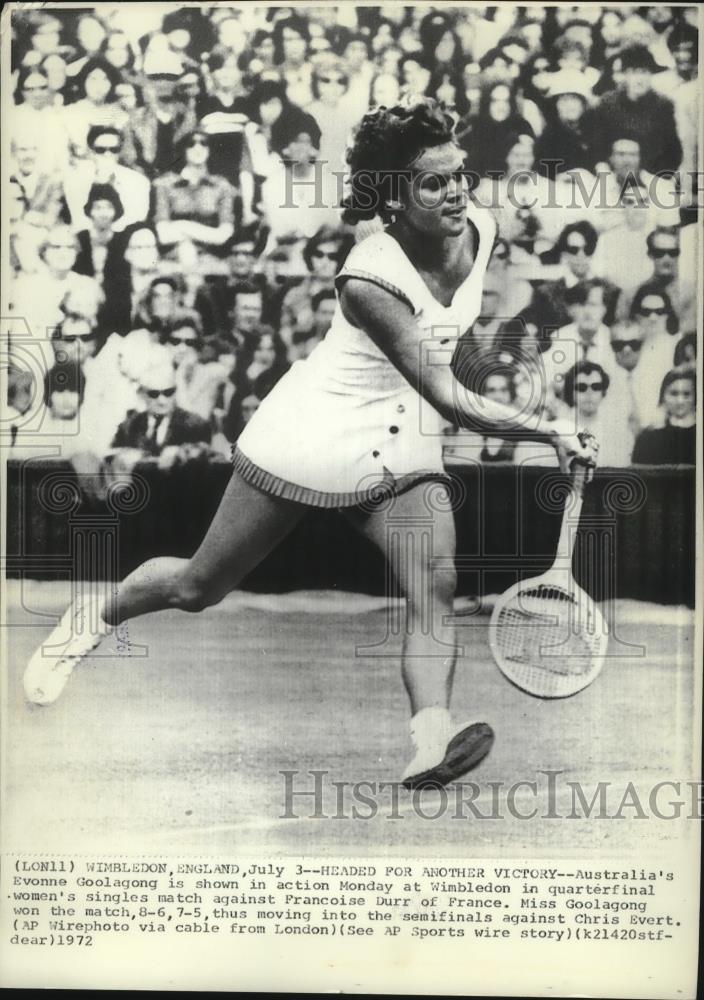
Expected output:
(362, 413)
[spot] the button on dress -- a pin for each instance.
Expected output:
(344, 422)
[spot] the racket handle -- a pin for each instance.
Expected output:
(580, 477)
(581, 474)
(572, 513)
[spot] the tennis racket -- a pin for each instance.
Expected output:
(546, 634)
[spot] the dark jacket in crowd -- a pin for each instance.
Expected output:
(487, 142)
(666, 445)
(549, 308)
(84, 259)
(560, 142)
(183, 428)
(650, 121)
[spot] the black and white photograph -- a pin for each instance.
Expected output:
(351, 493)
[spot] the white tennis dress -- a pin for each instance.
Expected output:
(344, 421)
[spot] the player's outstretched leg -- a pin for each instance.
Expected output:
(417, 536)
(247, 526)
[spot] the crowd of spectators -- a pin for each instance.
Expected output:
(174, 226)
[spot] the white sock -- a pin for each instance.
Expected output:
(432, 726)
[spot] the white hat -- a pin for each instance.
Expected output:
(160, 60)
(569, 81)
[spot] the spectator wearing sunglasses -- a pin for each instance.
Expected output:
(627, 346)
(161, 426)
(214, 299)
(324, 255)
(585, 389)
(195, 210)
(652, 310)
(664, 253)
(102, 166)
(75, 341)
(199, 383)
(574, 252)
(627, 343)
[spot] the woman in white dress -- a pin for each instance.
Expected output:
(359, 420)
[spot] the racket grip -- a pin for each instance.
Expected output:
(581, 472)
(581, 475)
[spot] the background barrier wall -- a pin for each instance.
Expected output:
(635, 537)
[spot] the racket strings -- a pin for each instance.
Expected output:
(544, 631)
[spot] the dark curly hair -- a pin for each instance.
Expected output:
(583, 368)
(386, 142)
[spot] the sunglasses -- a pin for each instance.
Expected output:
(322, 253)
(660, 311)
(101, 150)
(571, 248)
(594, 386)
(621, 345)
(155, 393)
(198, 141)
(339, 80)
(191, 341)
(658, 254)
(71, 338)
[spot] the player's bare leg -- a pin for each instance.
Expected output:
(247, 526)
(416, 534)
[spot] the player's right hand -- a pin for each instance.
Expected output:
(572, 449)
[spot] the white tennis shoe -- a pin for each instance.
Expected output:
(79, 632)
(444, 752)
